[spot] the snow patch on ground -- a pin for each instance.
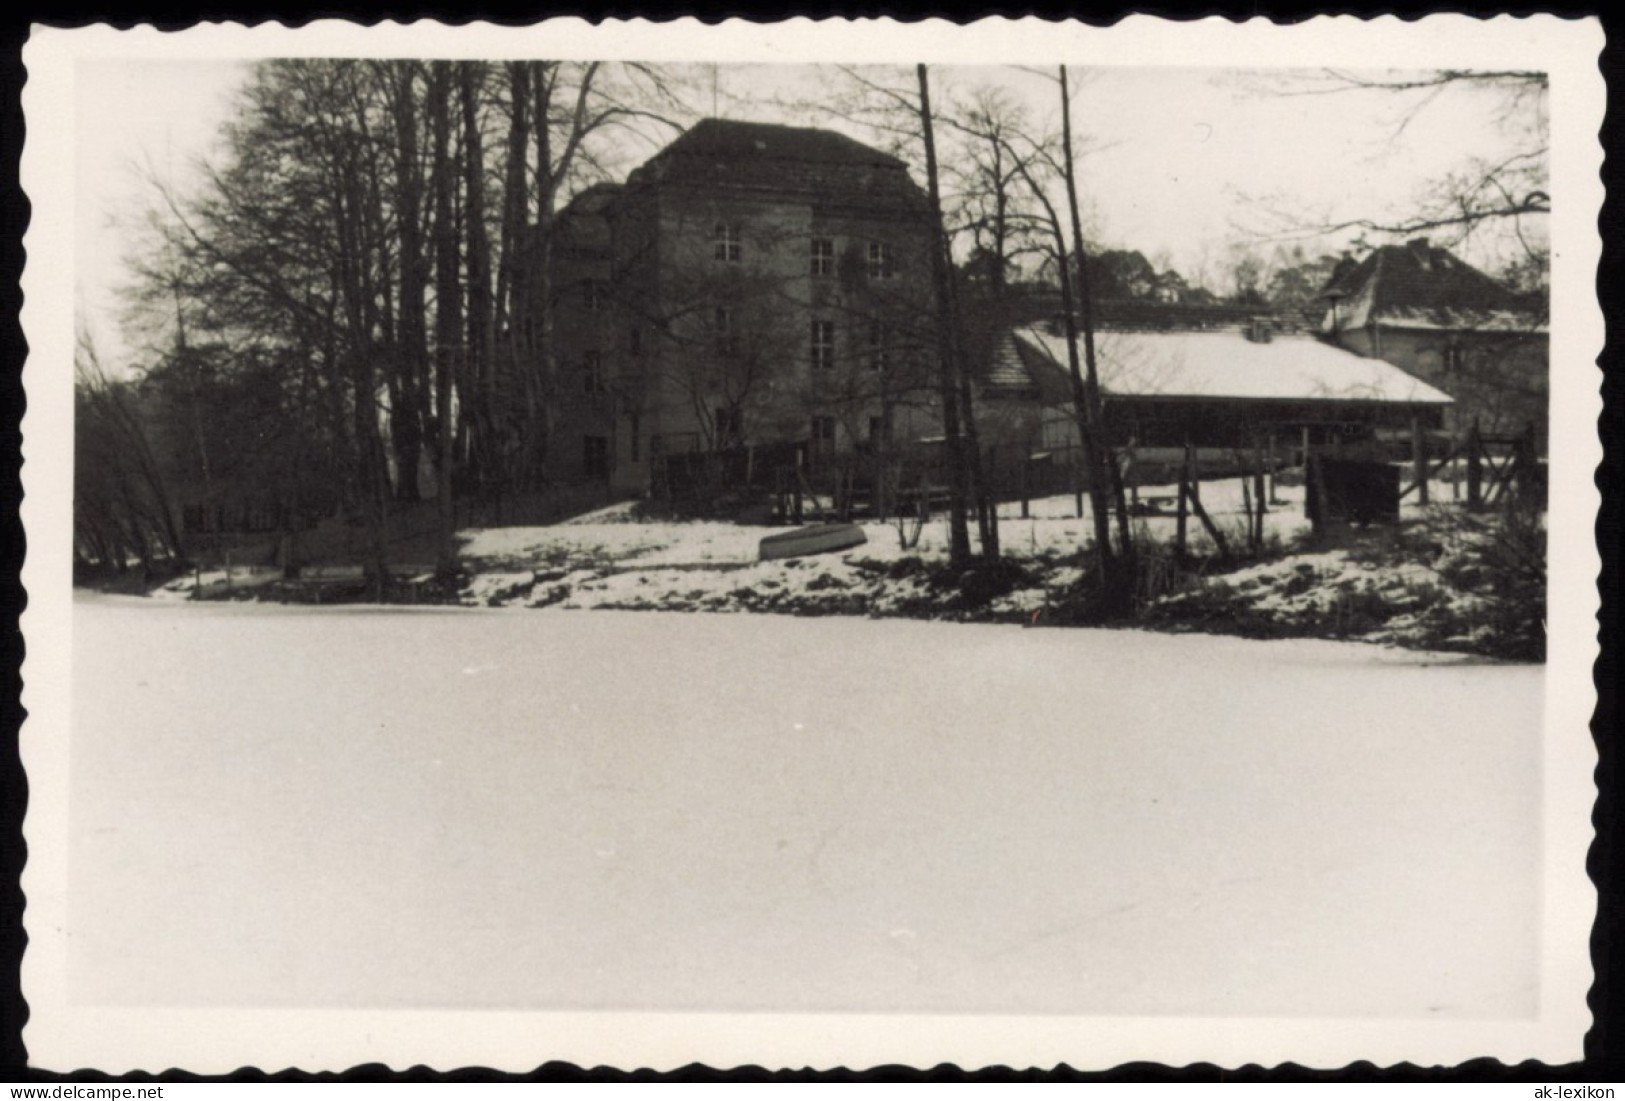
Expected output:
(1429, 584)
(615, 558)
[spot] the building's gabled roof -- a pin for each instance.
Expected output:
(594, 199)
(1007, 372)
(725, 155)
(582, 226)
(734, 139)
(1219, 365)
(1421, 286)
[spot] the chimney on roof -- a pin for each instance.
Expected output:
(1421, 252)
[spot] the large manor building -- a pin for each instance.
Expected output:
(750, 284)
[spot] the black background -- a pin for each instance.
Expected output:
(1605, 1042)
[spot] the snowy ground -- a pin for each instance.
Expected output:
(606, 560)
(275, 805)
(1386, 585)
(1052, 526)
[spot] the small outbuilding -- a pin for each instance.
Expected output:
(1221, 388)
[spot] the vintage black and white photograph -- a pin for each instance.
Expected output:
(852, 534)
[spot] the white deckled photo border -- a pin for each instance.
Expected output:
(62, 1035)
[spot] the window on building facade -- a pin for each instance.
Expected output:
(723, 331)
(728, 426)
(592, 373)
(823, 256)
(877, 430)
(594, 295)
(882, 264)
(595, 456)
(823, 434)
(879, 347)
(823, 345)
(727, 242)
(1455, 358)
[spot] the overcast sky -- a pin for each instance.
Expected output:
(1186, 160)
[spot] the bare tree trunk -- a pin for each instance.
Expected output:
(519, 471)
(987, 518)
(515, 194)
(953, 442)
(1001, 222)
(1096, 454)
(411, 417)
(544, 387)
(372, 475)
(479, 273)
(448, 312)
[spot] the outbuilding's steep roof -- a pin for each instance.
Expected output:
(1421, 286)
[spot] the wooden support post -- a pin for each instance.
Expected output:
(990, 483)
(1523, 463)
(1475, 468)
(1455, 470)
(1134, 482)
(1247, 510)
(1212, 529)
(1270, 465)
(1259, 499)
(1179, 517)
(1260, 489)
(1419, 459)
(1077, 484)
(1314, 491)
(1026, 463)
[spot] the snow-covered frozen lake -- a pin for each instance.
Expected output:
(276, 806)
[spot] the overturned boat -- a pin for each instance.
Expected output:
(816, 539)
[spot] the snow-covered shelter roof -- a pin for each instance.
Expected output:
(1218, 366)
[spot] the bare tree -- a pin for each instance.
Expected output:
(410, 380)
(353, 198)
(122, 506)
(989, 205)
(959, 433)
(1039, 163)
(900, 115)
(288, 262)
(581, 113)
(1505, 191)
(448, 311)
